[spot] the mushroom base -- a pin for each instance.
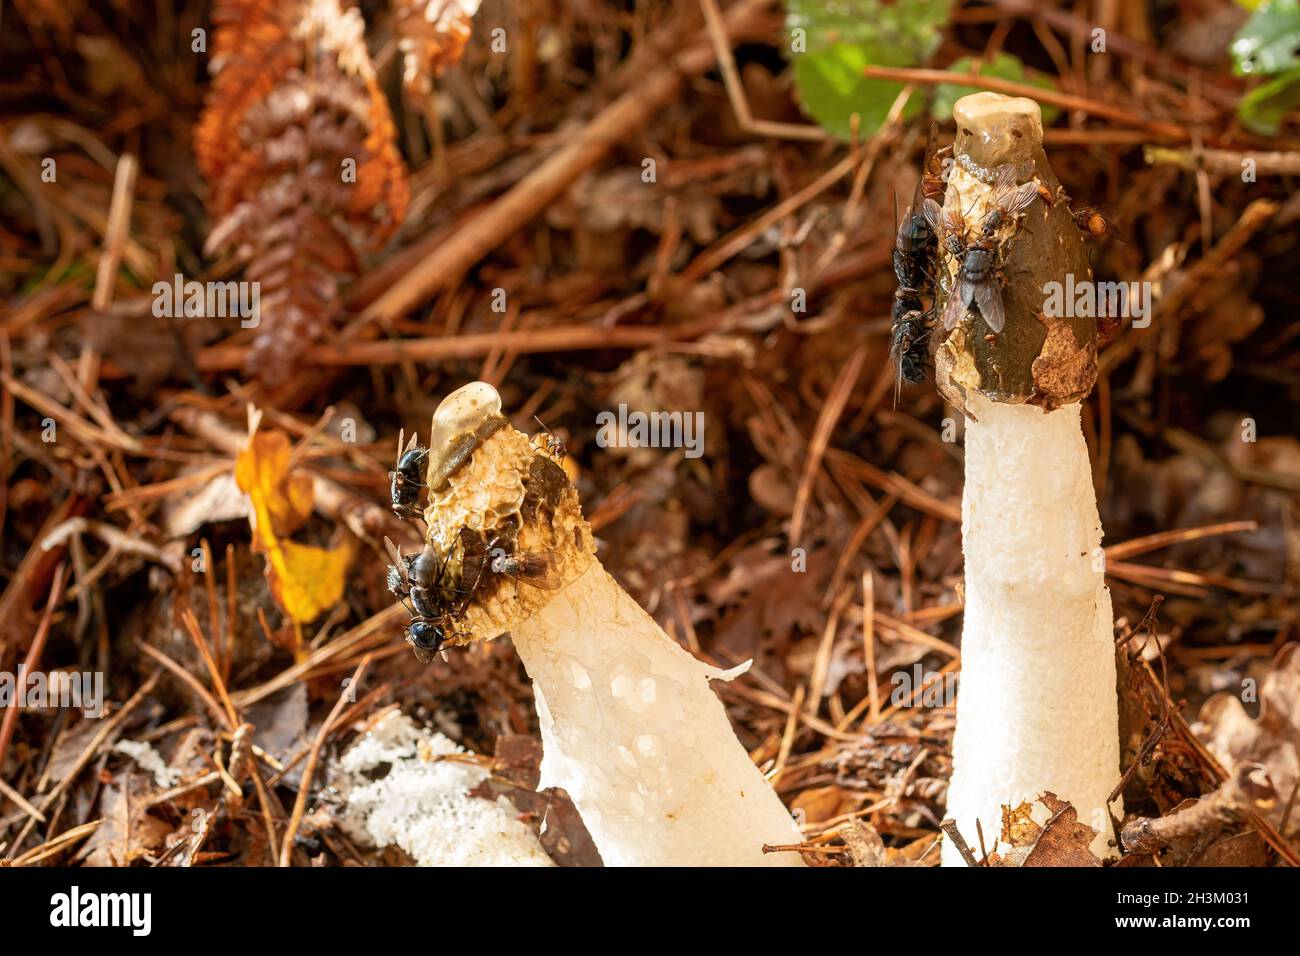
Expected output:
(634, 734)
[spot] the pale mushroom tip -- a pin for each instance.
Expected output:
(463, 410)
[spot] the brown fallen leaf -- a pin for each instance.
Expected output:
(516, 770)
(129, 832)
(1234, 738)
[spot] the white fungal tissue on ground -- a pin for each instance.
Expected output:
(394, 791)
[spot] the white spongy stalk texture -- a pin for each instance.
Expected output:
(632, 730)
(422, 804)
(1036, 708)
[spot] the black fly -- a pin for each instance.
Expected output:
(914, 243)
(406, 481)
(436, 591)
(906, 347)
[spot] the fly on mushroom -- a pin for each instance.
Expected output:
(977, 282)
(914, 243)
(435, 604)
(406, 480)
(435, 588)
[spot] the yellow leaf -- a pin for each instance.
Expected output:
(305, 580)
(261, 471)
(308, 580)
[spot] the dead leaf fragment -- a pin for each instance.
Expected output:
(305, 580)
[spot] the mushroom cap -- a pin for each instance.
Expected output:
(490, 495)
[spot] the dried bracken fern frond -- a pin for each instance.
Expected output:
(299, 148)
(433, 37)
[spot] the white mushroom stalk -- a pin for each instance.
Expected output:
(630, 727)
(1037, 704)
(1037, 707)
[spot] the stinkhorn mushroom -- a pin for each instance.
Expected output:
(630, 727)
(1036, 709)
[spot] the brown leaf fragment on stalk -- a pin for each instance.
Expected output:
(298, 146)
(1064, 371)
(432, 37)
(516, 770)
(1018, 827)
(1064, 840)
(1061, 841)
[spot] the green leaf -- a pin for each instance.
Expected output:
(1263, 108)
(1004, 66)
(832, 41)
(1269, 41)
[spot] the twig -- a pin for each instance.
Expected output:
(830, 414)
(949, 827)
(996, 84)
(304, 786)
(33, 655)
(736, 89)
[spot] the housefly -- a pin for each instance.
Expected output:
(550, 442)
(537, 568)
(976, 283)
(406, 480)
(907, 348)
(422, 582)
(436, 590)
(1097, 222)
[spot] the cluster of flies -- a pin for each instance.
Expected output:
(435, 586)
(976, 248)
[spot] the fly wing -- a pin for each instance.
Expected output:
(932, 211)
(954, 225)
(955, 310)
(988, 297)
(395, 553)
(1020, 197)
(1007, 195)
(540, 569)
(423, 656)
